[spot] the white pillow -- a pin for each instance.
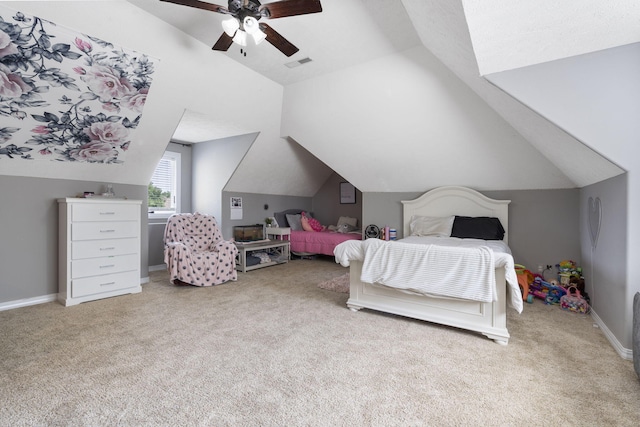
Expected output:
(353, 222)
(431, 225)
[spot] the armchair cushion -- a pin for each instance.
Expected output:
(195, 252)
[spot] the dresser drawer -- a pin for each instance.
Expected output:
(99, 248)
(105, 265)
(104, 230)
(101, 284)
(104, 212)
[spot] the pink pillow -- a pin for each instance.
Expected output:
(313, 223)
(304, 221)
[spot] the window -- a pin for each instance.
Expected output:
(163, 197)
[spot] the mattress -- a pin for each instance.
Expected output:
(319, 242)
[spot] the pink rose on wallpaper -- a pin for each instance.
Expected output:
(94, 152)
(108, 132)
(136, 102)
(83, 45)
(110, 106)
(42, 130)
(11, 84)
(6, 46)
(107, 83)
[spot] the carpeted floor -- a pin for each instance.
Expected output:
(274, 349)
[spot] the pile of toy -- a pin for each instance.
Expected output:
(568, 290)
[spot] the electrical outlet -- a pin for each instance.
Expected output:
(540, 268)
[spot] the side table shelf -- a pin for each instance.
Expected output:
(278, 251)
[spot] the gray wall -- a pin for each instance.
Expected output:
(326, 206)
(256, 207)
(605, 265)
(543, 224)
(29, 216)
(213, 164)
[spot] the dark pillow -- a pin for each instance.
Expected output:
(479, 227)
(281, 217)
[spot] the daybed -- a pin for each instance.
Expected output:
(464, 307)
(308, 243)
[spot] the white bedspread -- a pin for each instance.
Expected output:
(450, 268)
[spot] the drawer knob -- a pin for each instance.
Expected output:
(107, 213)
(107, 249)
(107, 284)
(108, 266)
(107, 231)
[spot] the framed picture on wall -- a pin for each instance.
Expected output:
(347, 193)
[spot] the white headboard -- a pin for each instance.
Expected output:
(454, 200)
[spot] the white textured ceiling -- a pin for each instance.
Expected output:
(442, 26)
(345, 33)
(471, 37)
(510, 34)
(198, 127)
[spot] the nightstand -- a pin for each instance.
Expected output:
(279, 233)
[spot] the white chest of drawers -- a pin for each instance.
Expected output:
(99, 249)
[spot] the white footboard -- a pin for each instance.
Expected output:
(489, 319)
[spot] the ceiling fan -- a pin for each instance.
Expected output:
(245, 15)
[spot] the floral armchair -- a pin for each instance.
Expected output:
(195, 252)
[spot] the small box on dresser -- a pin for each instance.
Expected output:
(99, 249)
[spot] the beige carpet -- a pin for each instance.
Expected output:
(273, 349)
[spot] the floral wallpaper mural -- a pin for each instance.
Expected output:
(66, 96)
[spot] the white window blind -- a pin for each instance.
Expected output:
(166, 177)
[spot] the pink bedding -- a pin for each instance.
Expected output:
(319, 242)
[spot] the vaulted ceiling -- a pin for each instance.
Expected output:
(398, 95)
(471, 38)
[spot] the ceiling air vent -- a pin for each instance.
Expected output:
(298, 62)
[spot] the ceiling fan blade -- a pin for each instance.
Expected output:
(223, 43)
(280, 43)
(200, 5)
(285, 8)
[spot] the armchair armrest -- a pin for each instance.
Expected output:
(222, 244)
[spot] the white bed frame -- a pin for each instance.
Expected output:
(489, 319)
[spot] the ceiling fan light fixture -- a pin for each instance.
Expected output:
(250, 24)
(240, 38)
(258, 37)
(230, 26)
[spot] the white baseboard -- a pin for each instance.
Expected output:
(157, 267)
(625, 353)
(25, 302)
(10, 305)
